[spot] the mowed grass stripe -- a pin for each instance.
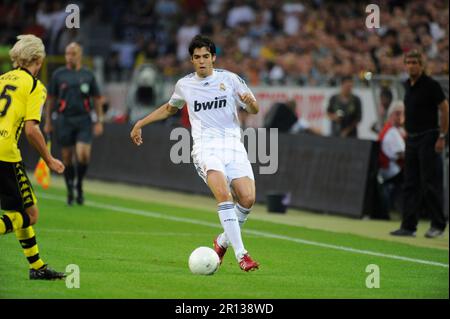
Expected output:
(145, 213)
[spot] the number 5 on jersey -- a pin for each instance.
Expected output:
(4, 96)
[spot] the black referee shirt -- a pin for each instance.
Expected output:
(73, 90)
(421, 104)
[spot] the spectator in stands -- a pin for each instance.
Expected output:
(32, 27)
(292, 12)
(344, 110)
(240, 13)
(391, 157)
(113, 71)
(53, 20)
(148, 54)
(184, 35)
(391, 41)
(167, 9)
(329, 38)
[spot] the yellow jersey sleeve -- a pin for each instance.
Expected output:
(35, 103)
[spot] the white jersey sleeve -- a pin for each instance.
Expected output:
(177, 100)
(240, 87)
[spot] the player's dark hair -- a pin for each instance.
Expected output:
(200, 41)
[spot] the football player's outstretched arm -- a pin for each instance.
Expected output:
(35, 137)
(161, 113)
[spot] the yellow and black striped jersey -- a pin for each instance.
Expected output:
(22, 97)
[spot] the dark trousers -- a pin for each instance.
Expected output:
(423, 182)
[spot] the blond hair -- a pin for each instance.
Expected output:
(27, 50)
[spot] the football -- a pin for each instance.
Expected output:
(204, 261)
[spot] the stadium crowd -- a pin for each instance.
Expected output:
(312, 42)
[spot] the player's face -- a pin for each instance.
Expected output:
(413, 66)
(203, 61)
(73, 56)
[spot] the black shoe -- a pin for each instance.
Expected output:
(403, 232)
(70, 196)
(80, 200)
(45, 273)
(80, 197)
(70, 199)
(434, 232)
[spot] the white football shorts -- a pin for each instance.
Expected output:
(231, 162)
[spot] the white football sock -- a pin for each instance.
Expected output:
(242, 215)
(222, 240)
(230, 225)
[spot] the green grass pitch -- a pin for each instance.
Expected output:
(132, 249)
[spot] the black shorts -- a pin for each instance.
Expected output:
(16, 192)
(73, 129)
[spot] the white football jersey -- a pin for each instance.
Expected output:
(212, 106)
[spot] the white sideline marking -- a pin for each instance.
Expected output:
(116, 232)
(248, 231)
(119, 232)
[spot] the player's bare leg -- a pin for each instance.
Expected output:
(33, 213)
(244, 188)
(83, 154)
(69, 172)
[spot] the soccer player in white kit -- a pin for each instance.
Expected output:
(213, 97)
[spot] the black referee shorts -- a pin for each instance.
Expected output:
(73, 129)
(16, 192)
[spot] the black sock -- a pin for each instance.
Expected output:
(81, 172)
(69, 176)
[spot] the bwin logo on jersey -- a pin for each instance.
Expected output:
(216, 104)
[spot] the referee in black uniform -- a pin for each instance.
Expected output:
(426, 132)
(72, 90)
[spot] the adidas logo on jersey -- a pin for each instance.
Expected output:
(216, 104)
